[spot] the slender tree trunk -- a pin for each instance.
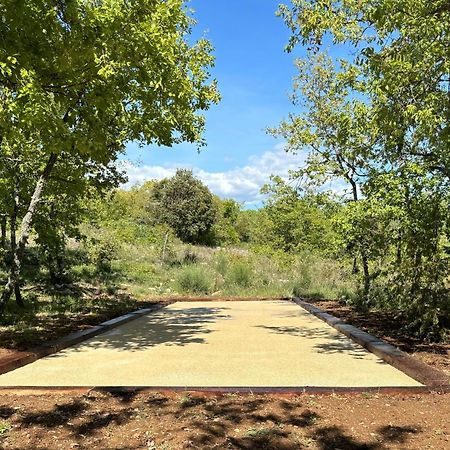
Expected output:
(364, 259)
(165, 246)
(61, 266)
(355, 269)
(14, 274)
(366, 272)
(3, 232)
(15, 263)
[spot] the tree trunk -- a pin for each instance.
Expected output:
(3, 232)
(15, 264)
(366, 272)
(355, 268)
(364, 259)
(18, 296)
(14, 274)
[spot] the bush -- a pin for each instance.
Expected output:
(190, 257)
(222, 263)
(101, 253)
(302, 284)
(194, 280)
(240, 274)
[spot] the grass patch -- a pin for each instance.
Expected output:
(4, 427)
(194, 280)
(240, 274)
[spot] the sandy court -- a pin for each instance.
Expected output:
(227, 344)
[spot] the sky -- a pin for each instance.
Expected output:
(254, 75)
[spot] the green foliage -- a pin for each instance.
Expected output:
(380, 121)
(317, 277)
(186, 205)
(194, 280)
(222, 263)
(102, 251)
(299, 220)
(77, 82)
(190, 257)
(4, 427)
(241, 274)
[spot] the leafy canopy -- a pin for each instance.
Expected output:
(86, 76)
(184, 203)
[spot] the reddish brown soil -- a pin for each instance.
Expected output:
(391, 328)
(180, 421)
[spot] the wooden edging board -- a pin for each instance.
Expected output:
(421, 372)
(218, 390)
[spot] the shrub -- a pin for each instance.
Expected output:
(222, 263)
(302, 285)
(194, 280)
(240, 274)
(102, 252)
(190, 257)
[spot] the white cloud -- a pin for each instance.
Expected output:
(240, 183)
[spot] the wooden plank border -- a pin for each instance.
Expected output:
(301, 390)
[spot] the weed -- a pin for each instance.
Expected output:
(4, 427)
(222, 262)
(188, 401)
(259, 433)
(190, 257)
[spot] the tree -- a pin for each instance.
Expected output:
(336, 131)
(83, 78)
(72, 187)
(227, 213)
(300, 219)
(184, 203)
(400, 63)
(398, 69)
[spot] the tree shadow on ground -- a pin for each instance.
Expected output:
(168, 327)
(68, 415)
(335, 342)
(333, 437)
(24, 329)
(381, 324)
(196, 421)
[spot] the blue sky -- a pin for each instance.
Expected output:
(255, 77)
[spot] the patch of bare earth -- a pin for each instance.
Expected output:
(391, 328)
(180, 421)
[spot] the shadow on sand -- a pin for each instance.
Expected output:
(170, 327)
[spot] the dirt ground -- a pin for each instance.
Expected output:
(215, 343)
(378, 323)
(391, 328)
(182, 421)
